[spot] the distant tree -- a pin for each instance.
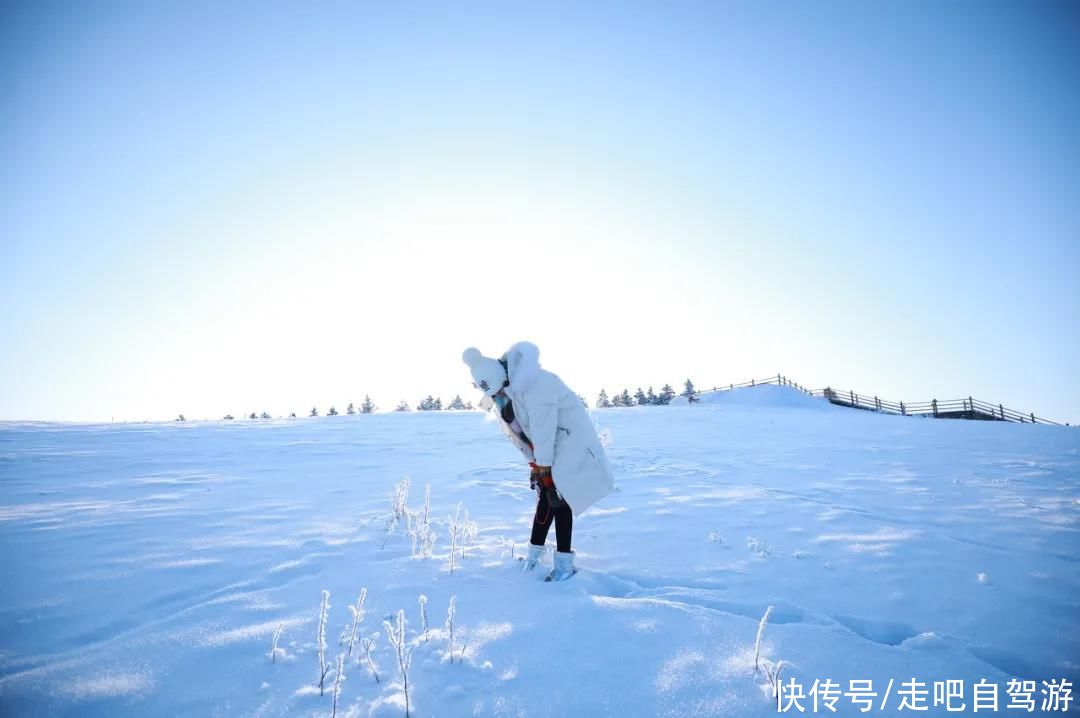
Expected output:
(457, 404)
(468, 406)
(292, 414)
(625, 398)
(181, 418)
(429, 404)
(228, 417)
(639, 397)
(402, 406)
(252, 415)
(651, 398)
(264, 415)
(583, 402)
(602, 401)
(689, 392)
(314, 412)
(351, 409)
(332, 412)
(367, 407)
(666, 394)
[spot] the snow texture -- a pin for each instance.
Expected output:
(147, 567)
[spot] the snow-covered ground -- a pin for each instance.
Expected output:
(146, 567)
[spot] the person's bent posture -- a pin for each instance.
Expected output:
(549, 424)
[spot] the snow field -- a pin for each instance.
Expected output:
(148, 567)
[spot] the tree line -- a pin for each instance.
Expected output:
(645, 398)
(432, 403)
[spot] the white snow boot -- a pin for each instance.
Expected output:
(533, 557)
(564, 567)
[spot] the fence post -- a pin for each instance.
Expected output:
(852, 396)
(1002, 410)
(877, 404)
(752, 383)
(934, 405)
(730, 386)
(1032, 417)
(778, 382)
(903, 411)
(971, 406)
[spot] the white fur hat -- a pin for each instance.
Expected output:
(488, 374)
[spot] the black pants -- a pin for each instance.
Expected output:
(545, 514)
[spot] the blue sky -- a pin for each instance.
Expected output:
(235, 207)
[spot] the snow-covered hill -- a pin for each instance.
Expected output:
(146, 567)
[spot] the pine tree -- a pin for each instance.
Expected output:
(437, 405)
(251, 415)
(583, 402)
(292, 414)
(689, 392)
(457, 404)
(332, 412)
(181, 418)
(468, 406)
(666, 394)
(651, 398)
(602, 401)
(350, 410)
(368, 406)
(625, 398)
(314, 412)
(228, 417)
(264, 415)
(402, 406)
(639, 398)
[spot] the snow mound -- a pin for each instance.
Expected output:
(764, 396)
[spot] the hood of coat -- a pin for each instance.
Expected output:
(522, 365)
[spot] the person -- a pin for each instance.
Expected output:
(548, 423)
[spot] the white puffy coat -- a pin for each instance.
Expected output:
(556, 422)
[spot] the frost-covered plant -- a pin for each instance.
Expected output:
(462, 530)
(760, 633)
(366, 645)
(771, 670)
(757, 546)
(451, 613)
(772, 673)
(420, 531)
(423, 615)
(324, 613)
(399, 507)
(339, 678)
(349, 635)
(455, 532)
(469, 532)
(395, 633)
(606, 437)
(274, 650)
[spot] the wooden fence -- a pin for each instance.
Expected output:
(968, 408)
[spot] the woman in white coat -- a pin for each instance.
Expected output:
(551, 427)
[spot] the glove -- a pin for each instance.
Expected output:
(540, 476)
